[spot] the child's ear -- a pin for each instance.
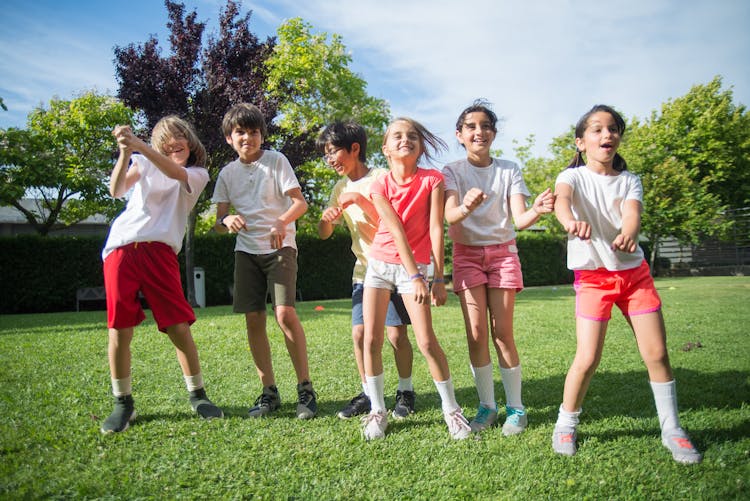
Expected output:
(229, 139)
(355, 149)
(580, 144)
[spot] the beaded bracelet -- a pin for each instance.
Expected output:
(438, 280)
(418, 275)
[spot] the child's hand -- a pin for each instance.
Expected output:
(349, 198)
(278, 232)
(124, 136)
(580, 229)
(474, 198)
(234, 223)
(421, 293)
(331, 214)
(624, 243)
(439, 295)
(544, 203)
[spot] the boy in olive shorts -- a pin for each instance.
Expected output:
(267, 200)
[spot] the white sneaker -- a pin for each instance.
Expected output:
(458, 425)
(374, 425)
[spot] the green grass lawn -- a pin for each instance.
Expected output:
(55, 392)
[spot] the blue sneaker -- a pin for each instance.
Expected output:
(515, 422)
(484, 419)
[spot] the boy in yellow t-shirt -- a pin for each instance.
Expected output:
(344, 146)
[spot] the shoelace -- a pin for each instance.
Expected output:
(305, 396)
(264, 400)
(458, 421)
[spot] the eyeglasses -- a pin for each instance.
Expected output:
(329, 155)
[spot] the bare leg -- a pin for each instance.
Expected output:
(259, 346)
(294, 337)
(119, 352)
(590, 341)
(502, 303)
(402, 350)
(187, 352)
(474, 307)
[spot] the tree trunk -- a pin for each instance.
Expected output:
(190, 259)
(652, 258)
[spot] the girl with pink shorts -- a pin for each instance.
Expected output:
(484, 196)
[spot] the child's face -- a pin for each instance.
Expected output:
(246, 142)
(600, 139)
(476, 133)
(402, 142)
(342, 161)
(178, 150)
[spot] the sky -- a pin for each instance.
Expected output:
(541, 63)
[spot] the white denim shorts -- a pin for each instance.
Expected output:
(394, 277)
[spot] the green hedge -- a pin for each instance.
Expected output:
(42, 274)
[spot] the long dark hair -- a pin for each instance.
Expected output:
(619, 163)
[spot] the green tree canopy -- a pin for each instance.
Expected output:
(63, 160)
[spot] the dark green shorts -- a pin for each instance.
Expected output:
(255, 275)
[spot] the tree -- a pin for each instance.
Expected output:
(197, 85)
(63, 160)
(310, 77)
(694, 162)
(706, 132)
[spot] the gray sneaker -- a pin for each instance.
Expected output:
(679, 444)
(564, 441)
(203, 406)
(307, 400)
(266, 403)
(122, 415)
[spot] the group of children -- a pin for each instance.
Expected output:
(395, 218)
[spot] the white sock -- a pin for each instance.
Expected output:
(121, 387)
(365, 389)
(485, 385)
(567, 419)
(512, 385)
(405, 384)
(375, 390)
(447, 395)
(193, 382)
(665, 398)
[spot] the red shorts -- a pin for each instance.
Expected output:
(632, 290)
(496, 266)
(151, 268)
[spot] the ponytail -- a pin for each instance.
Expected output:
(577, 160)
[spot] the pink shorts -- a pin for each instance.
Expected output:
(151, 268)
(496, 266)
(632, 290)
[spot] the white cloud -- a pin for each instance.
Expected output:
(542, 64)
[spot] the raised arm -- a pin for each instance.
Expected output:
(123, 177)
(544, 203)
(169, 167)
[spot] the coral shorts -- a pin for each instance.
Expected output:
(632, 290)
(495, 266)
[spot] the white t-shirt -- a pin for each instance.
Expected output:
(257, 191)
(158, 207)
(598, 199)
(491, 223)
(360, 229)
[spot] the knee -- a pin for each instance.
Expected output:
(287, 318)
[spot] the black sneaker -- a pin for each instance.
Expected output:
(404, 404)
(266, 403)
(356, 406)
(307, 400)
(122, 415)
(203, 406)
